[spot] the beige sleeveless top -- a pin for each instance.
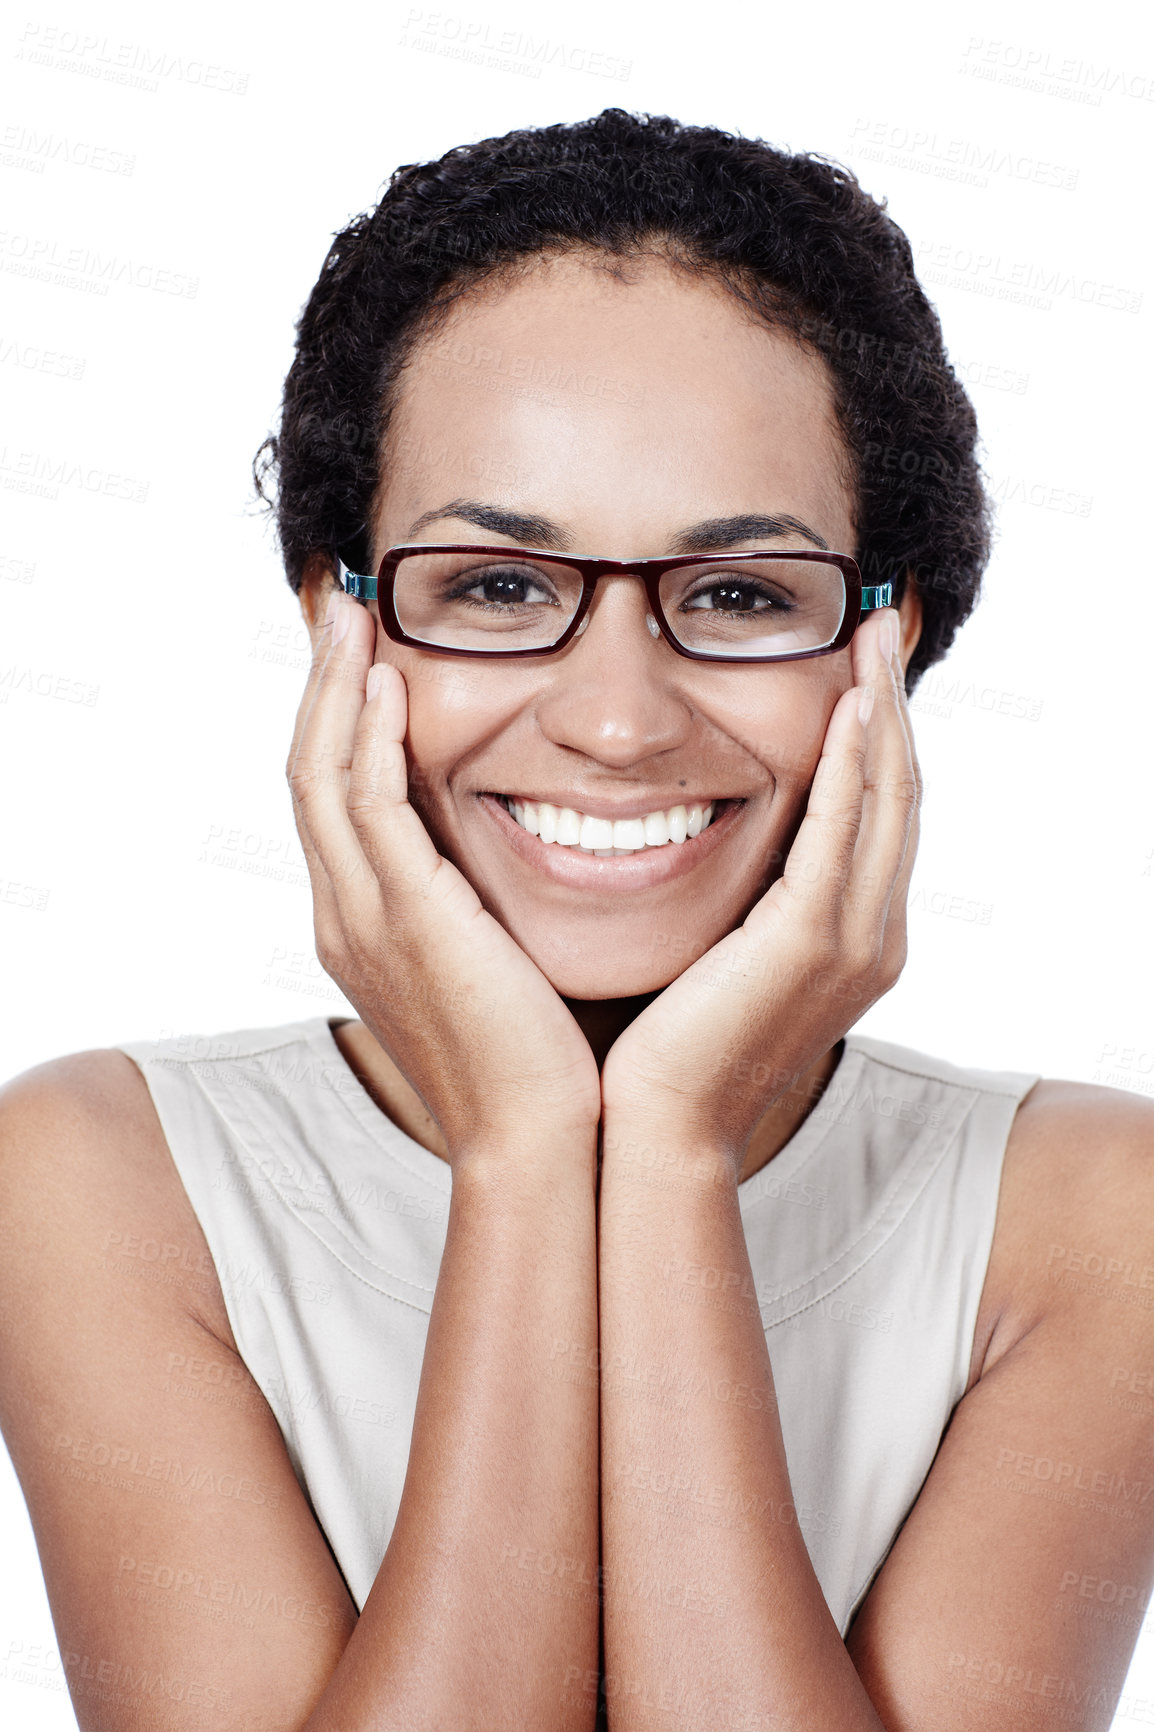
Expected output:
(869, 1235)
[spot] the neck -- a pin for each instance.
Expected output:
(602, 1020)
(785, 1116)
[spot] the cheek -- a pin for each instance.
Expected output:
(453, 715)
(434, 741)
(781, 715)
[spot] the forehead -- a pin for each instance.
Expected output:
(622, 397)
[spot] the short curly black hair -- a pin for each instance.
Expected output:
(794, 236)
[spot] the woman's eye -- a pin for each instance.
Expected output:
(508, 586)
(734, 598)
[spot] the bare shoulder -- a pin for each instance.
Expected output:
(87, 1182)
(1075, 1213)
(1021, 1573)
(149, 1459)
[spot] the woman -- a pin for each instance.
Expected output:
(596, 1326)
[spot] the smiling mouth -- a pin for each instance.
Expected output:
(566, 827)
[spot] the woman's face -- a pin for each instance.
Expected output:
(617, 415)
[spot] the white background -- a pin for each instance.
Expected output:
(151, 655)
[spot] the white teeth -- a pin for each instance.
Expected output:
(656, 830)
(569, 827)
(547, 822)
(605, 836)
(595, 834)
(629, 833)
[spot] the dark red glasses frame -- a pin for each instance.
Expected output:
(859, 598)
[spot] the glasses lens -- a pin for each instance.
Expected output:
(754, 607)
(493, 601)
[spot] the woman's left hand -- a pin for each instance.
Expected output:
(825, 941)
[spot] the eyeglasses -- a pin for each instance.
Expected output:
(518, 601)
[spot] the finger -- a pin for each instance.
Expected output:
(320, 651)
(892, 955)
(891, 784)
(903, 710)
(322, 647)
(336, 683)
(389, 831)
(821, 857)
(323, 754)
(895, 687)
(392, 837)
(325, 910)
(324, 901)
(919, 785)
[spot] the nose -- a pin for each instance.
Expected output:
(616, 694)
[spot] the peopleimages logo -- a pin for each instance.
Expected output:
(1027, 67)
(27, 148)
(133, 64)
(925, 151)
(479, 42)
(43, 474)
(31, 358)
(52, 261)
(1021, 281)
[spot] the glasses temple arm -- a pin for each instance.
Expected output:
(876, 595)
(354, 584)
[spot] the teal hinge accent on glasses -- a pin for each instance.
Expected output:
(352, 582)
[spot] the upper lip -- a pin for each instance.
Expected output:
(594, 808)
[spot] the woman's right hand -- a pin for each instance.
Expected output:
(457, 1004)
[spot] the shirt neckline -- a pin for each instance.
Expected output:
(385, 1131)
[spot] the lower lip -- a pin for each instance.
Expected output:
(638, 871)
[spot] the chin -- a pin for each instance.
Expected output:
(585, 971)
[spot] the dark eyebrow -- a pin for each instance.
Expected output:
(723, 532)
(528, 530)
(714, 534)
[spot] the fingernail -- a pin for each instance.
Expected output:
(341, 619)
(865, 705)
(373, 683)
(331, 612)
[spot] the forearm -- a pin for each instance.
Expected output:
(463, 1627)
(713, 1613)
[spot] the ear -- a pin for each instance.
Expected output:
(318, 584)
(911, 615)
